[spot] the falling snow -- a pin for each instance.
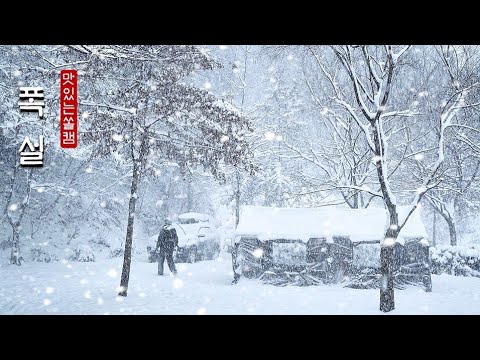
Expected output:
(269, 135)
(306, 134)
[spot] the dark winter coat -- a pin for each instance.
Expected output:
(167, 239)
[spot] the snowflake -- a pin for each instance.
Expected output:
(269, 136)
(46, 302)
(207, 85)
(103, 204)
(49, 290)
(419, 156)
(388, 242)
(40, 189)
(224, 138)
(376, 158)
(112, 273)
(279, 138)
(223, 47)
(177, 283)
(89, 170)
(85, 114)
(421, 189)
(13, 207)
(257, 253)
(201, 311)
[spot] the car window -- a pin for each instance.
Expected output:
(204, 231)
(187, 221)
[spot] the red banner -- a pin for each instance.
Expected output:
(68, 109)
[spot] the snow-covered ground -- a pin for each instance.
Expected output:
(204, 288)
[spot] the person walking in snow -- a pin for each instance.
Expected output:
(166, 243)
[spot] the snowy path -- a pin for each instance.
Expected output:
(204, 288)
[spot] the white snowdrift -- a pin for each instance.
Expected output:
(204, 288)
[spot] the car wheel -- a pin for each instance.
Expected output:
(192, 255)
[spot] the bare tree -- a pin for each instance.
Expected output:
(364, 91)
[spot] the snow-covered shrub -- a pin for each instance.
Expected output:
(455, 260)
(116, 253)
(83, 253)
(40, 254)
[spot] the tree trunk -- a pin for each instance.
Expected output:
(452, 230)
(451, 227)
(127, 257)
(189, 195)
(434, 235)
(355, 200)
(15, 257)
(387, 298)
(15, 251)
(237, 199)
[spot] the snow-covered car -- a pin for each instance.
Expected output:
(198, 239)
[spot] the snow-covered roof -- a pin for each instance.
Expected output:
(194, 215)
(269, 223)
